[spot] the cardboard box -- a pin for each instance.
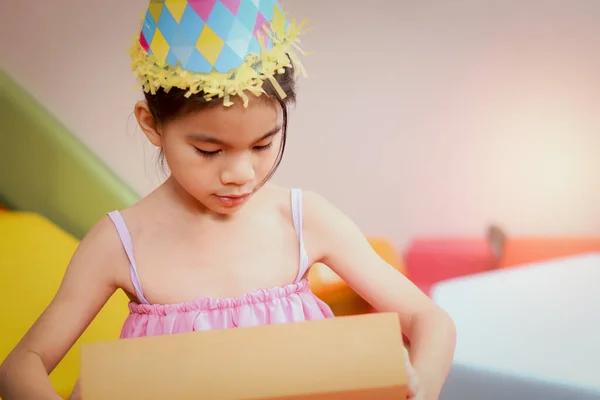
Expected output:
(353, 357)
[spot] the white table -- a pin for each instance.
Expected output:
(533, 331)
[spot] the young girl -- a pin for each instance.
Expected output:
(216, 245)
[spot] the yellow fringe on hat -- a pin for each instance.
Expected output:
(250, 76)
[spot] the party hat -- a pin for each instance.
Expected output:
(219, 48)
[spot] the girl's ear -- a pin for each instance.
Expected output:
(147, 123)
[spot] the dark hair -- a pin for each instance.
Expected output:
(166, 106)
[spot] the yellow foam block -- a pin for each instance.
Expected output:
(34, 255)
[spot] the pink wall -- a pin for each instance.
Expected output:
(428, 117)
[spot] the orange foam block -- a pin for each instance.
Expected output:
(523, 250)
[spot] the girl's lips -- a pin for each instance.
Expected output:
(233, 201)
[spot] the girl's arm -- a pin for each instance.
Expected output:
(333, 239)
(88, 283)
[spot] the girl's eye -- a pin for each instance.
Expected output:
(207, 154)
(264, 147)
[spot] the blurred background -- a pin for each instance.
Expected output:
(461, 136)
(445, 115)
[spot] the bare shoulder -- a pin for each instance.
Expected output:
(102, 233)
(100, 251)
(102, 238)
(92, 273)
(316, 207)
(327, 227)
(321, 215)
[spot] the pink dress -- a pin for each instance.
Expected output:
(291, 303)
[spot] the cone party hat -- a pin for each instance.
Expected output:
(219, 48)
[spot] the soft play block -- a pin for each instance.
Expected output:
(34, 255)
(46, 169)
(430, 260)
(522, 250)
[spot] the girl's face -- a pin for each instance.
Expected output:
(221, 155)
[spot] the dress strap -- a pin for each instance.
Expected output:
(125, 237)
(297, 217)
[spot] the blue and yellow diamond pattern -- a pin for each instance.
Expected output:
(204, 36)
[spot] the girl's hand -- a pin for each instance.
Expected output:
(414, 390)
(76, 395)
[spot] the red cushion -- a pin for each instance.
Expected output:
(430, 260)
